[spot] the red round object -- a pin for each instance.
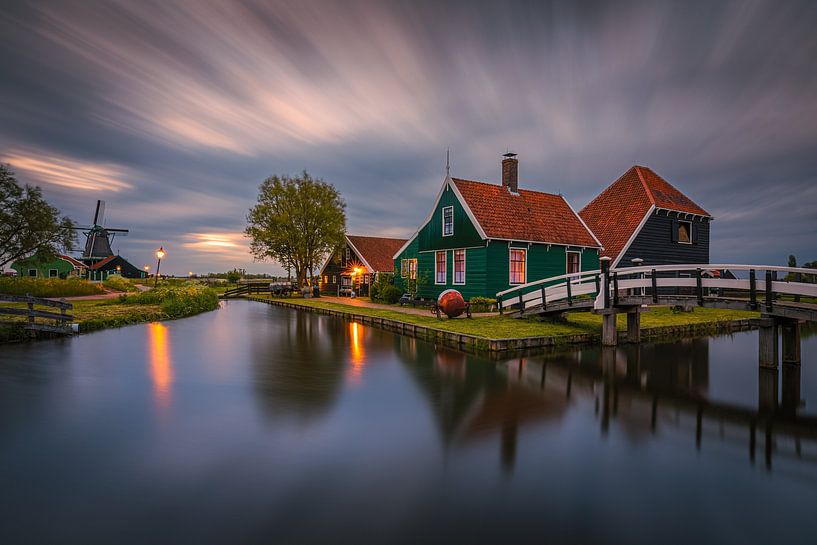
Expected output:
(451, 303)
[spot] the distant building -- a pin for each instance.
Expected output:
(62, 266)
(482, 238)
(643, 216)
(356, 266)
(113, 264)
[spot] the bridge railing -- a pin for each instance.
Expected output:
(564, 289)
(756, 283)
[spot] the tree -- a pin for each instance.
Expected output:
(296, 222)
(792, 261)
(28, 224)
(233, 276)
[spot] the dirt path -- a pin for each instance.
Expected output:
(365, 303)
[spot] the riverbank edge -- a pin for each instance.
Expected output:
(473, 343)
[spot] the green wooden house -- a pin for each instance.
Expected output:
(482, 238)
(61, 266)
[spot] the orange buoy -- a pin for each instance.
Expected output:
(451, 303)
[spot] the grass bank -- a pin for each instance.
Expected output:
(577, 323)
(162, 303)
(48, 287)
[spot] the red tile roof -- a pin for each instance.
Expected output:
(615, 214)
(377, 251)
(529, 215)
(98, 264)
(72, 261)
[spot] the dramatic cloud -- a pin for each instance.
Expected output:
(174, 112)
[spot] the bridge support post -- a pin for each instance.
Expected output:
(609, 335)
(790, 333)
(634, 326)
(767, 342)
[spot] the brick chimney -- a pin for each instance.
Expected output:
(510, 172)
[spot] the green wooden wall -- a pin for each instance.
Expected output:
(486, 263)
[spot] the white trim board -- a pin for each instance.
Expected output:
(632, 236)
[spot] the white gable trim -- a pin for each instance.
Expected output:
(468, 211)
(446, 183)
(360, 255)
(592, 234)
(632, 237)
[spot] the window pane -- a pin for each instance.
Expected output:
(517, 267)
(684, 234)
(459, 266)
(440, 269)
(448, 221)
(572, 262)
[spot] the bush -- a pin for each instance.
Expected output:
(48, 287)
(177, 301)
(482, 304)
(233, 276)
(116, 282)
(390, 294)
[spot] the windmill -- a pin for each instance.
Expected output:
(98, 237)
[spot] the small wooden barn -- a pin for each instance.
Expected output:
(356, 265)
(642, 216)
(61, 266)
(114, 264)
(481, 238)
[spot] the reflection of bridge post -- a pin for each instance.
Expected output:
(608, 369)
(791, 389)
(767, 389)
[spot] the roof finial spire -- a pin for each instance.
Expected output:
(447, 162)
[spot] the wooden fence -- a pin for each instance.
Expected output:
(61, 319)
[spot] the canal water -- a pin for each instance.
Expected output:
(256, 424)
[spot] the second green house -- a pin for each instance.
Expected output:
(482, 238)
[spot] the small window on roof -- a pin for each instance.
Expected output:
(685, 232)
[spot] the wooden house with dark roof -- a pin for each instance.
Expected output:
(642, 216)
(482, 238)
(356, 265)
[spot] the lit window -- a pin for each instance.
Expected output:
(326, 279)
(459, 266)
(517, 266)
(404, 267)
(448, 221)
(685, 232)
(440, 268)
(412, 269)
(346, 281)
(574, 262)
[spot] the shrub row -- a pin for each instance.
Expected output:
(177, 300)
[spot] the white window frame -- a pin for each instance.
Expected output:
(464, 261)
(567, 262)
(445, 268)
(55, 271)
(36, 273)
(510, 270)
(334, 279)
(451, 234)
(412, 268)
(678, 234)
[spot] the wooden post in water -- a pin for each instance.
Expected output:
(767, 342)
(634, 326)
(767, 389)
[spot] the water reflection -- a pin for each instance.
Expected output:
(357, 354)
(161, 367)
(638, 389)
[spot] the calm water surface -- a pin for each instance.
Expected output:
(255, 424)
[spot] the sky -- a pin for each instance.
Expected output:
(173, 112)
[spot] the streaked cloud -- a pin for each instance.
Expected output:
(192, 104)
(65, 172)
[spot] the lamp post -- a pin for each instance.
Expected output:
(160, 253)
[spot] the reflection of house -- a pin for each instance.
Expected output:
(357, 264)
(481, 238)
(642, 216)
(62, 266)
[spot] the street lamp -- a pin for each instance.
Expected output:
(160, 253)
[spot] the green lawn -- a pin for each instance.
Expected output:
(502, 327)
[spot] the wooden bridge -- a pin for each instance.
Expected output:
(785, 296)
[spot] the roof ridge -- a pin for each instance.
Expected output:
(644, 183)
(606, 189)
(519, 191)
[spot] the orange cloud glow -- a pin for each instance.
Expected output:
(68, 172)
